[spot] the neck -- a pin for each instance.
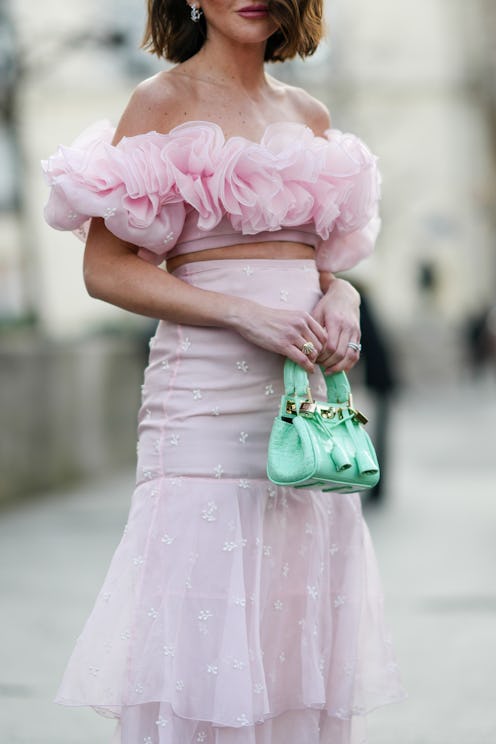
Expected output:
(235, 65)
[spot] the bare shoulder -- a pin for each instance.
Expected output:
(304, 107)
(156, 104)
(313, 112)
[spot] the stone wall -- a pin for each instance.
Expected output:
(68, 410)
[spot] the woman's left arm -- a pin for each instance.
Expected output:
(338, 311)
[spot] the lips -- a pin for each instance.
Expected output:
(254, 11)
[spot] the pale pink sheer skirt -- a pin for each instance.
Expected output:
(234, 611)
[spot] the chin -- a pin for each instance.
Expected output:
(251, 33)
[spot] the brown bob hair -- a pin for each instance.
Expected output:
(171, 34)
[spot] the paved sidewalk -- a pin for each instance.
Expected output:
(436, 542)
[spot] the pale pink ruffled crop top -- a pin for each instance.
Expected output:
(193, 189)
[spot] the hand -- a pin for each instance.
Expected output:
(283, 332)
(338, 311)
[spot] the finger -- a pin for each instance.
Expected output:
(317, 329)
(308, 335)
(344, 366)
(300, 358)
(309, 346)
(335, 354)
(335, 349)
(308, 331)
(326, 363)
(353, 345)
(349, 359)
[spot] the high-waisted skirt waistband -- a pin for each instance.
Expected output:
(239, 275)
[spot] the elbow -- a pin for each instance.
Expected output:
(102, 257)
(90, 287)
(92, 281)
(106, 266)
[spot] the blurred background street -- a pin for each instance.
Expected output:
(417, 82)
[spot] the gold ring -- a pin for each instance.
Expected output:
(308, 348)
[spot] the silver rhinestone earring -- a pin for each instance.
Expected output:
(196, 13)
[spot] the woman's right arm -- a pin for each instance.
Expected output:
(115, 274)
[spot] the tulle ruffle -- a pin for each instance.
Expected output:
(156, 723)
(143, 186)
(237, 614)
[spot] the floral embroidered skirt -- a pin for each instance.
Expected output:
(233, 611)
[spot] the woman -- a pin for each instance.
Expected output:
(233, 612)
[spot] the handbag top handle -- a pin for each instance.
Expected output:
(296, 383)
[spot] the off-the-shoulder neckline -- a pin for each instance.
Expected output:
(228, 138)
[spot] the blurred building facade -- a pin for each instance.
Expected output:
(412, 79)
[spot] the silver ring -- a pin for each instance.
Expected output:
(355, 347)
(308, 348)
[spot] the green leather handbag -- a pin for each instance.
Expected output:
(320, 444)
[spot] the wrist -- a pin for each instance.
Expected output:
(237, 311)
(327, 279)
(335, 284)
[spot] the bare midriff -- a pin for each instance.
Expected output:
(267, 249)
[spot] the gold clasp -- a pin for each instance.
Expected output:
(359, 416)
(328, 413)
(308, 407)
(290, 406)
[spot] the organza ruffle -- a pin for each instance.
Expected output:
(237, 614)
(143, 186)
(156, 723)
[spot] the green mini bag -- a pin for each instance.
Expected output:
(320, 444)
